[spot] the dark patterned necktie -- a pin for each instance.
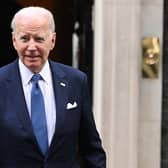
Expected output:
(38, 115)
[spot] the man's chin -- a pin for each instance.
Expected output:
(34, 67)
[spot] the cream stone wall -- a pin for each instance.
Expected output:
(127, 108)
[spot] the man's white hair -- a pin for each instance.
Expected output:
(35, 9)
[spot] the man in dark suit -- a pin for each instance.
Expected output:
(67, 128)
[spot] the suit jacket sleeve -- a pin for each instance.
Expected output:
(90, 147)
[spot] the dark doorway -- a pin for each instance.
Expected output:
(66, 15)
(164, 126)
(7, 52)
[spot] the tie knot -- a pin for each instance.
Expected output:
(36, 78)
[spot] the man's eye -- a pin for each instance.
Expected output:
(24, 39)
(39, 39)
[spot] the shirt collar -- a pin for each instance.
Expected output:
(26, 74)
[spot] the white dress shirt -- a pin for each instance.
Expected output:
(46, 86)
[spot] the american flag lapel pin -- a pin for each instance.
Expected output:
(62, 84)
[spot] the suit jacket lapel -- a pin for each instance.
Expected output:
(17, 101)
(61, 97)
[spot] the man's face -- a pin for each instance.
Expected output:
(33, 41)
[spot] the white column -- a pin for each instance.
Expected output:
(116, 79)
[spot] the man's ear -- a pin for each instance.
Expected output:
(53, 40)
(14, 39)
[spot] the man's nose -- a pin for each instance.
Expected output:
(32, 45)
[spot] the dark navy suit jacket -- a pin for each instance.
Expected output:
(75, 134)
